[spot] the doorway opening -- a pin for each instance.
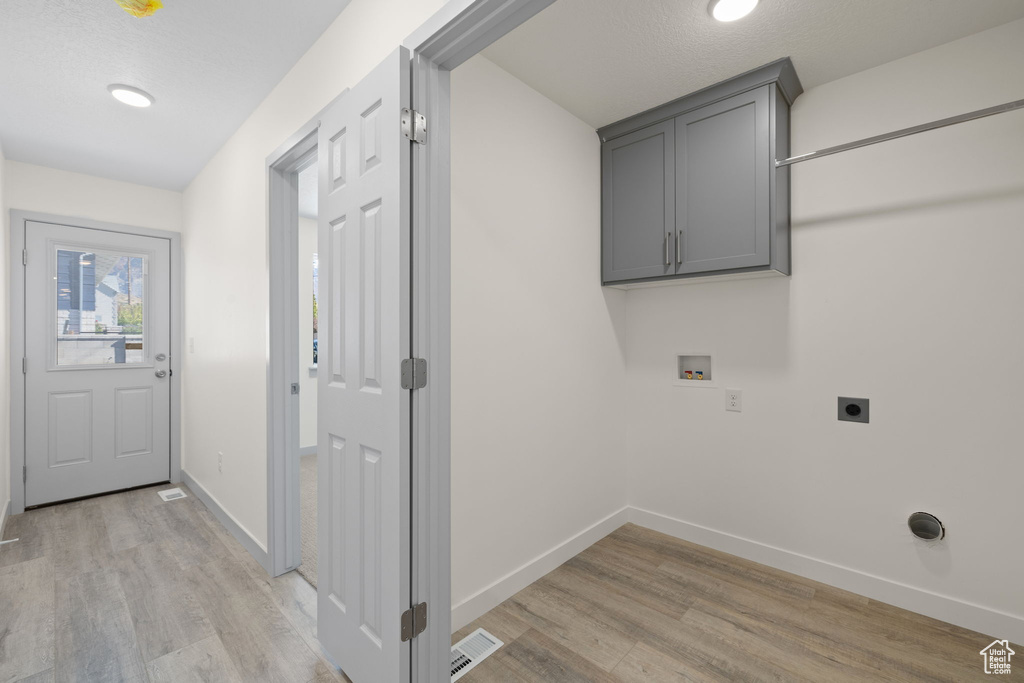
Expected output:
(293, 354)
(307, 289)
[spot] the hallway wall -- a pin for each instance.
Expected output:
(77, 195)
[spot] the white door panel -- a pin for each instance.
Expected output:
(363, 413)
(97, 318)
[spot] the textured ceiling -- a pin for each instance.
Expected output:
(604, 60)
(208, 64)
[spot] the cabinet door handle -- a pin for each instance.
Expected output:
(668, 249)
(679, 248)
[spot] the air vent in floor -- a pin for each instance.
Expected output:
(471, 650)
(172, 494)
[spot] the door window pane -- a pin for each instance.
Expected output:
(100, 308)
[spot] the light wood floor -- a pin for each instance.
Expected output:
(129, 588)
(642, 606)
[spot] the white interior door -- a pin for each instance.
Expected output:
(97, 389)
(364, 490)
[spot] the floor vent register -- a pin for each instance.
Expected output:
(471, 650)
(172, 494)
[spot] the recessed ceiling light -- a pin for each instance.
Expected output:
(130, 96)
(731, 10)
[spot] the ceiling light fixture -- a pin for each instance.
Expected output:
(140, 8)
(731, 10)
(130, 96)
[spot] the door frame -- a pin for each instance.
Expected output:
(284, 534)
(457, 32)
(19, 226)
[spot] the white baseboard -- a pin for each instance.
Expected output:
(504, 588)
(307, 450)
(994, 623)
(985, 620)
(241, 534)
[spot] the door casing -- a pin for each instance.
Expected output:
(284, 540)
(19, 220)
(457, 32)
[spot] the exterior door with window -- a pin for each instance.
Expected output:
(97, 361)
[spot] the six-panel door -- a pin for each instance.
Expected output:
(363, 413)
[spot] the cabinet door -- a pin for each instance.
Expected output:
(638, 204)
(722, 199)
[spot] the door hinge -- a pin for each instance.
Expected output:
(414, 373)
(24, 257)
(295, 388)
(414, 126)
(24, 474)
(414, 621)
(24, 365)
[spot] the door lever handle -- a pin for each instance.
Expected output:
(161, 373)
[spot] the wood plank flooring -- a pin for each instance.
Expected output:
(127, 587)
(642, 606)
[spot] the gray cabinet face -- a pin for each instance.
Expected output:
(638, 204)
(723, 217)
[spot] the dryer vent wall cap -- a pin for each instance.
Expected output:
(926, 526)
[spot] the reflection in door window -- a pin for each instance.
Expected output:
(316, 312)
(100, 308)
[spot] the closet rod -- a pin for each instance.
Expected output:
(942, 123)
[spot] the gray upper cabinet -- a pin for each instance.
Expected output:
(638, 198)
(722, 207)
(690, 188)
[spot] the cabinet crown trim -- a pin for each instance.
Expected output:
(780, 72)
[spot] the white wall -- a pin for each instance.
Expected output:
(5, 349)
(906, 289)
(307, 376)
(77, 195)
(537, 362)
(225, 237)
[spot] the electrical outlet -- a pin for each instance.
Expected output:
(220, 461)
(854, 409)
(734, 400)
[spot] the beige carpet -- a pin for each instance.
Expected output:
(307, 503)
